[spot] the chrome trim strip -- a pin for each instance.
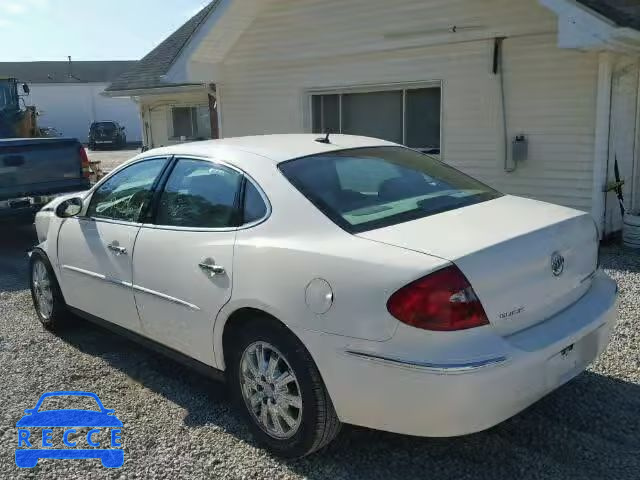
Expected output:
(84, 272)
(435, 367)
(98, 276)
(166, 297)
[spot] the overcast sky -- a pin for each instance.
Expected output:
(33, 30)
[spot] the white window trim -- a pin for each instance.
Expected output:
(372, 88)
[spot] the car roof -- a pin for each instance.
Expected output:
(277, 148)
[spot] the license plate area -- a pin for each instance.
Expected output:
(571, 360)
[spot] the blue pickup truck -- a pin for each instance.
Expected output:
(34, 170)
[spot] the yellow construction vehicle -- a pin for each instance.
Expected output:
(16, 122)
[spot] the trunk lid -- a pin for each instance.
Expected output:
(505, 248)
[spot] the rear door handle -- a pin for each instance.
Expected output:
(209, 267)
(117, 249)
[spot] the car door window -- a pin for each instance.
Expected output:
(125, 194)
(200, 194)
(254, 205)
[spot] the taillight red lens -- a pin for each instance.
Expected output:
(84, 160)
(443, 301)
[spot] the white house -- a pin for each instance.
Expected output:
(535, 97)
(69, 96)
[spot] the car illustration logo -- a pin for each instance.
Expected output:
(36, 434)
(557, 264)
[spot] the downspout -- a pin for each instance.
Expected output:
(602, 140)
(498, 69)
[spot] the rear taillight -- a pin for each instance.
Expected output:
(84, 161)
(443, 301)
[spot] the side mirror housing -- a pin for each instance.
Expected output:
(26, 89)
(69, 208)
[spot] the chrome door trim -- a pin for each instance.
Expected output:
(441, 368)
(98, 276)
(164, 296)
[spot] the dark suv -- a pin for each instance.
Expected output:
(106, 134)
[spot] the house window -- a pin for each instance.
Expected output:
(410, 116)
(190, 122)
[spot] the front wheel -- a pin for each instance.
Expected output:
(280, 392)
(45, 292)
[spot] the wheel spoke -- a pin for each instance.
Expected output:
(271, 368)
(264, 416)
(291, 400)
(255, 400)
(277, 426)
(289, 420)
(262, 362)
(283, 380)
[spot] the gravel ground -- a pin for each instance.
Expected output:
(178, 424)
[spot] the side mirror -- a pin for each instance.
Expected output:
(26, 89)
(69, 208)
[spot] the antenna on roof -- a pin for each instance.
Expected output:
(325, 139)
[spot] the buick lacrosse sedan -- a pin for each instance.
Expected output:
(340, 280)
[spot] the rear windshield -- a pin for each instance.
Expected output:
(107, 125)
(367, 188)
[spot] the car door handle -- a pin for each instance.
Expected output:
(211, 268)
(117, 249)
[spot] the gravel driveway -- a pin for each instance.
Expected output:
(178, 424)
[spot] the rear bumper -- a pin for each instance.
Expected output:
(416, 396)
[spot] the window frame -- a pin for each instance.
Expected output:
(373, 88)
(90, 196)
(171, 134)
(238, 203)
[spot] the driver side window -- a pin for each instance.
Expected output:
(124, 195)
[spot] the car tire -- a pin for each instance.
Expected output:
(48, 301)
(316, 422)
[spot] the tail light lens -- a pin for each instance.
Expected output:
(84, 161)
(443, 301)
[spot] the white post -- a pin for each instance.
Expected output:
(601, 147)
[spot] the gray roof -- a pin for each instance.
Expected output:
(624, 13)
(149, 72)
(58, 72)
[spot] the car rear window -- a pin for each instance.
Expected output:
(367, 188)
(106, 125)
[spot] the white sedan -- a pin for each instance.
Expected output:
(340, 280)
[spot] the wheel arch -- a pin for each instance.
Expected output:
(230, 320)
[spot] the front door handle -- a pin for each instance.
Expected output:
(209, 267)
(117, 249)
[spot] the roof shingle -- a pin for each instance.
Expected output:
(62, 72)
(624, 13)
(148, 72)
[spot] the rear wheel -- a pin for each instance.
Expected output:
(45, 292)
(280, 392)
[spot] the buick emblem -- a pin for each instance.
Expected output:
(557, 264)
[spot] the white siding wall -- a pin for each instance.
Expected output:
(71, 108)
(156, 114)
(304, 44)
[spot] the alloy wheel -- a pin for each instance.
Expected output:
(271, 390)
(42, 289)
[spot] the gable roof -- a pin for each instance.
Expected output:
(624, 13)
(58, 72)
(149, 72)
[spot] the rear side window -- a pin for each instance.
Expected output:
(367, 188)
(254, 206)
(200, 194)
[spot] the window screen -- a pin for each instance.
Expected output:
(410, 115)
